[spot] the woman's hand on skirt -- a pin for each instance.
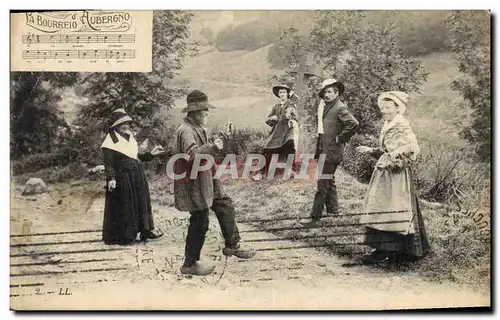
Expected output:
(111, 185)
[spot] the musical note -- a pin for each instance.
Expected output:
(108, 38)
(78, 54)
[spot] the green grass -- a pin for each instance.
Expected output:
(458, 252)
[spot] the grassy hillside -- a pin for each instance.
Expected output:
(249, 68)
(239, 80)
(435, 112)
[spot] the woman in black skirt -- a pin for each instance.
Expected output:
(127, 209)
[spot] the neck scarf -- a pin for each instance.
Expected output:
(128, 148)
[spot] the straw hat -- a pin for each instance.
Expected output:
(331, 83)
(276, 89)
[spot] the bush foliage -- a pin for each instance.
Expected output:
(471, 47)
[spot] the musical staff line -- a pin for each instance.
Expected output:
(78, 54)
(82, 38)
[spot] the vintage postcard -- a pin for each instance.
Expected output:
(250, 160)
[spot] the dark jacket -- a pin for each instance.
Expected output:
(199, 193)
(281, 134)
(340, 124)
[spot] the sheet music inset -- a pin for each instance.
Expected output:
(82, 41)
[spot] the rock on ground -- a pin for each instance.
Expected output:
(34, 186)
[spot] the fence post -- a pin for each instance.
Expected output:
(305, 71)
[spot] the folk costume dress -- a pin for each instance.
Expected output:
(283, 139)
(127, 209)
(391, 189)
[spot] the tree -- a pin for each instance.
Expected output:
(333, 33)
(375, 64)
(35, 117)
(366, 57)
(287, 50)
(363, 55)
(470, 44)
(146, 96)
(207, 34)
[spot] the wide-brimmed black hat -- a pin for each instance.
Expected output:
(197, 101)
(331, 83)
(276, 89)
(118, 117)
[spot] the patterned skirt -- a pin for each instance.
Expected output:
(394, 222)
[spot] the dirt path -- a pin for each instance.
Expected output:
(54, 270)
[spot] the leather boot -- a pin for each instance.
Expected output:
(198, 269)
(153, 234)
(239, 252)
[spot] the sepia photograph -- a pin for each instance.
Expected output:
(292, 160)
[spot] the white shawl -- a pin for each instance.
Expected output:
(128, 148)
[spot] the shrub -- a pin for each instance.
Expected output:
(460, 250)
(471, 47)
(275, 56)
(359, 165)
(37, 161)
(246, 140)
(57, 174)
(445, 174)
(36, 120)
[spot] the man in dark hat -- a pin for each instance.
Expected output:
(201, 193)
(336, 125)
